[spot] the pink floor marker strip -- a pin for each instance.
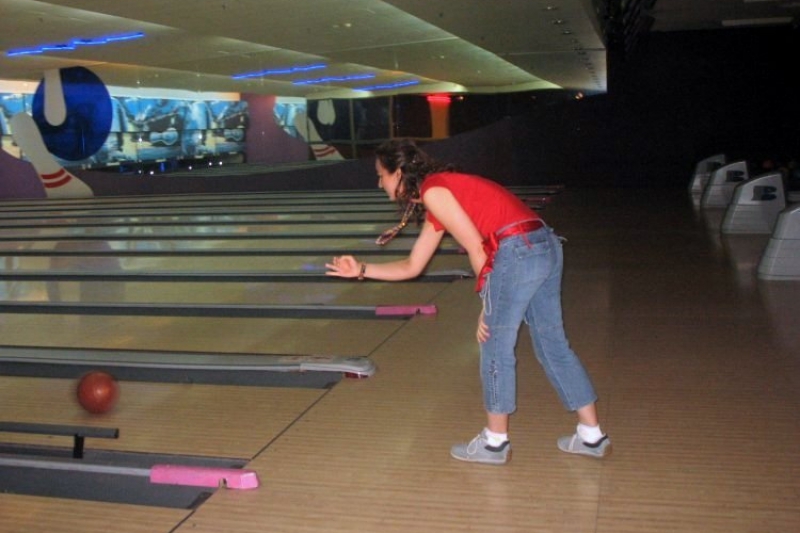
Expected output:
(405, 310)
(231, 478)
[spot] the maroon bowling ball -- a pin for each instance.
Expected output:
(98, 392)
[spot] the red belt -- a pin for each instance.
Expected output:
(492, 242)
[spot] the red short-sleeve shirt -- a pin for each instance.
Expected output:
(488, 204)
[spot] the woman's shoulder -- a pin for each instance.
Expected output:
(454, 178)
(447, 176)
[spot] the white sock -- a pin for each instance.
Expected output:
(495, 439)
(590, 434)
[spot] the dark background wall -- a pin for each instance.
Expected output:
(680, 98)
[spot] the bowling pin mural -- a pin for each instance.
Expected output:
(71, 120)
(55, 106)
(58, 182)
(326, 114)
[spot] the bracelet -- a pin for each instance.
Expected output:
(362, 272)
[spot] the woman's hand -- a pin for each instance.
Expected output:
(343, 266)
(347, 266)
(483, 330)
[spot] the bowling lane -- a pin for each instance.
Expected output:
(87, 254)
(177, 419)
(335, 292)
(219, 335)
(370, 210)
(181, 419)
(321, 196)
(30, 513)
(264, 206)
(220, 420)
(82, 268)
(267, 198)
(190, 418)
(200, 334)
(175, 338)
(209, 210)
(204, 215)
(237, 264)
(201, 216)
(245, 246)
(202, 231)
(217, 201)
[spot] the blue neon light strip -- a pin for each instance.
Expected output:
(278, 72)
(74, 44)
(333, 79)
(386, 86)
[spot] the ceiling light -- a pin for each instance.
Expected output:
(385, 86)
(279, 71)
(330, 79)
(438, 98)
(72, 44)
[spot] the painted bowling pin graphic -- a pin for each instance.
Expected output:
(309, 133)
(70, 120)
(55, 107)
(57, 181)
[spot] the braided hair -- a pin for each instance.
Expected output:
(414, 165)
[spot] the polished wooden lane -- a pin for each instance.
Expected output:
(231, 265)
(30, 513)
(184, 417)
(695, 360)
(697, 391)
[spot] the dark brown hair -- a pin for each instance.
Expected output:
(415, 165)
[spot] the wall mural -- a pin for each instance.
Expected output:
(70, 119)
(73, 121)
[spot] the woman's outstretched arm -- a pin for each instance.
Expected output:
(347, 266)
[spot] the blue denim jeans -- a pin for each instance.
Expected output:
(525, 285)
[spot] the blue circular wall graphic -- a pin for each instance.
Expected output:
(88, 121)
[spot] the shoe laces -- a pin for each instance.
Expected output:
(472, 447)
(575, 438)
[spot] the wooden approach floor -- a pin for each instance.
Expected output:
(696, 361)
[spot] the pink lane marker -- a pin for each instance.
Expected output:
(194, 476)
(405, 310)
